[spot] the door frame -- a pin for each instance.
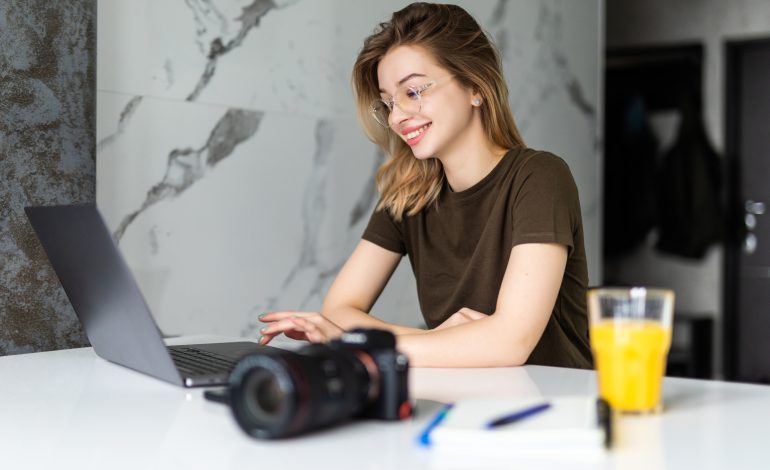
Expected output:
(734, 212)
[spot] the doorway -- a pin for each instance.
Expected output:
(747, 250)
(662, 192)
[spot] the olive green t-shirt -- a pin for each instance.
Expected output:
(459, 248)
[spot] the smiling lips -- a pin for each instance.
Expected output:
(415, 134)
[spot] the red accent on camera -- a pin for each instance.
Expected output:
(405, 410)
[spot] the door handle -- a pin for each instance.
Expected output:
(753, 209)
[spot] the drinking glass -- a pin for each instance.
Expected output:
(630, 335)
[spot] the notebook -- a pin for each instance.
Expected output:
(568, 428)
(111, 308)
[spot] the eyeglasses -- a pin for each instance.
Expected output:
(407, 98)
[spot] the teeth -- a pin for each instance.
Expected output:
(419, 131)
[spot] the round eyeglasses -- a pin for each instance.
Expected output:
(408, 99)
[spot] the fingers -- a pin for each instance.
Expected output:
(471, 314)
(309, 326)
(455, 319)
(312, 331)
(264, 339)
(318, 329)
(275, 327)
(461, 317)
(282, 315)
(298, 335)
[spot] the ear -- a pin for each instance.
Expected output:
(476, 98)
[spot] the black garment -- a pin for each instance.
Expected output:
(690, 215)
(629, 179)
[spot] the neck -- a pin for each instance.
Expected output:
(470, 160)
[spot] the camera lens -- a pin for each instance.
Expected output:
(262, 395)
(275, 393)
(267, 397)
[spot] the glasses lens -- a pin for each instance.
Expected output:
(407, 99)
(380, 112)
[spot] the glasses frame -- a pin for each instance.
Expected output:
(418, 90)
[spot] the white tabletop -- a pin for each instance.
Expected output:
(71, 409)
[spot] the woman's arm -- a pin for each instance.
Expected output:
(358, 285)
(507, 337)
(352, 294)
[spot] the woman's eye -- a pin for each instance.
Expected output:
(412, 93)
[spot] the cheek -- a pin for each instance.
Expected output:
(449, 116)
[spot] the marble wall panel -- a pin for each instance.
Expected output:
(232, 169)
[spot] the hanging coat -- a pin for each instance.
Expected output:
(690, 212)
(629, 179)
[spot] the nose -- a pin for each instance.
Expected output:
(397, 116)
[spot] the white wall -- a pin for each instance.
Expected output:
(238, 185)
(631, 23)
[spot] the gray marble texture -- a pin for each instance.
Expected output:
(47, 86)
(232, 169)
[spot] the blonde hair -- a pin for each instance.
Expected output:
(458, 44)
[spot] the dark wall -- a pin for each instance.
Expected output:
(47, 112)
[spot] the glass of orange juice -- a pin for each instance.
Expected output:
(630, 333)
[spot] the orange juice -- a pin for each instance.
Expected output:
(630, 359)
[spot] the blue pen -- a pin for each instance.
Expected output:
(424, 437)
(518, 415)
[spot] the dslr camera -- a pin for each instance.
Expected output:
(275, 393)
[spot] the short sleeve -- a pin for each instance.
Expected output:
(383, 231)
(545, 208)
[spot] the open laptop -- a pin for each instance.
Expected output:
(110, 306)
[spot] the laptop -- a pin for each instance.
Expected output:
(114, 314)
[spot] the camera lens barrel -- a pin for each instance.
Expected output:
(276, 393)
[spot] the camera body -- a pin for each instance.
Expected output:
(276, 393)
(388, 370)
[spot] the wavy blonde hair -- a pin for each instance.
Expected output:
(459, 45)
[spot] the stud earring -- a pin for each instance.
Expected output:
(476, 102)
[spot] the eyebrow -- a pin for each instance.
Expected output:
(405, 79)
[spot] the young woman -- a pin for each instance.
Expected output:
(492, 229)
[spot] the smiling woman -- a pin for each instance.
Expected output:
(492, 229)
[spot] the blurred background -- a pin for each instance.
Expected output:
(219, 140)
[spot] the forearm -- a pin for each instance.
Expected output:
(488, 342)
(350, 317)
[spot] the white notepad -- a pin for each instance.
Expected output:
(568, 430)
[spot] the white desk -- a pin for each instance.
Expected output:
(72, 410)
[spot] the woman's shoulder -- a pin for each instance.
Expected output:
(534, 158)
(526, 161)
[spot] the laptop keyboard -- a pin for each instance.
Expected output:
(193, 361)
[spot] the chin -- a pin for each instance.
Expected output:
(421, 155)
(423, 151)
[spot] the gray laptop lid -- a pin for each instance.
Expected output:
(102, 289)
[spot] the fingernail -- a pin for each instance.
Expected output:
(261, 316)
(260, 339)
(262, 330)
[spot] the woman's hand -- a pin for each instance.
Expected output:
(308, 326)
(461, 317)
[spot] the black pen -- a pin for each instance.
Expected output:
(518, 415)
